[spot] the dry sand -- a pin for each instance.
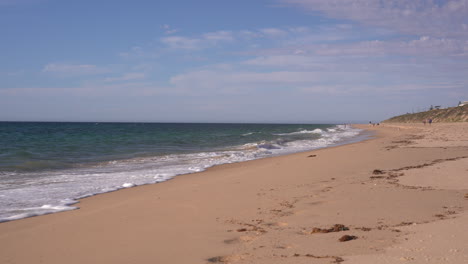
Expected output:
(402, 196)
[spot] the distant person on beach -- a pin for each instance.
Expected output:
(424, 121)
(429, 121)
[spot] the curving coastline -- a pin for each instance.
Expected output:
(266, 211)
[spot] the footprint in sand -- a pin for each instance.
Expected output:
(241, 239)
(277, 225)
(288, 204)
(316, 203)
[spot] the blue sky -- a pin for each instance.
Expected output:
(230, 61)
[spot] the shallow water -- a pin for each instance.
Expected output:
(45, 167)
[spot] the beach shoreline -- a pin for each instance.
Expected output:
(265, 210)
(68, 164)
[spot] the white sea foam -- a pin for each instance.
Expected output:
(315, 131)
(54, 191)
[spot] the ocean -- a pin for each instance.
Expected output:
(45, 167)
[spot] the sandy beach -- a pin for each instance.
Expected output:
(401, 197)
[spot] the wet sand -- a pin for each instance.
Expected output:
(401, 197)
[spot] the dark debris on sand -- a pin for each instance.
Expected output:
(335, 228)
(218, 259)
(347, 238)
(366, 229)
(335, 258)
(378, 172)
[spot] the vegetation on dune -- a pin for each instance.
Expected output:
(451, 114)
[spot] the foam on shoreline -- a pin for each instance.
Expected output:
(56, 191)
(266, 211)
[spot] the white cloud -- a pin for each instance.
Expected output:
(136, 52)
(218, 36)
(249, 34)
(423, 46)
(299, 30)
(168, 29)
(357, 88)
(417, 17)
(215, 79)
(273, 32)
(331, 89)
(286, 61)
(354, 56)
(127, 77)
(91, 90)
(205, 40)
(178, 42)
(219, 82)
(73, 69)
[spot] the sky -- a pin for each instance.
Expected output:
(268, 61)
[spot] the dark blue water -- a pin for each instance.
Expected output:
(44, 167)
(36, 146)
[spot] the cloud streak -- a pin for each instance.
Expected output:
(204, 41)
(73, 69)
(127, 77)
(423, 46)
(217, 38)
(415, 17)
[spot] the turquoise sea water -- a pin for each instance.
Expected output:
(45, 167)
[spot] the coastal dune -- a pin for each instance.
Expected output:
(400, 196)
